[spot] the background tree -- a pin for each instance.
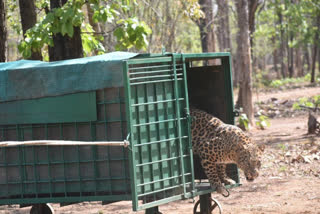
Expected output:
(64, 31)
(206, 26)
(244, 60)
(3, 31)
(223, 27)
(66, 45)
(28, 20)
(315, 48)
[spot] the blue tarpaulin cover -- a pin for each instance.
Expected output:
(28, 79)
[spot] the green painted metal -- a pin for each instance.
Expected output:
(79, 107)
(160, 157)
(226, 66)
(70, 199)
(151, 110)
(42, 174)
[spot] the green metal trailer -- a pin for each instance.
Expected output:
(119, 97)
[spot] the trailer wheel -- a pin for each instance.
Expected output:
(42, 209)
(214, 207)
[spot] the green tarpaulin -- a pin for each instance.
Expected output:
(27, 79)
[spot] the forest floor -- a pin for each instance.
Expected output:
(289, 180)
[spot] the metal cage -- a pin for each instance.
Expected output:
(150, 109)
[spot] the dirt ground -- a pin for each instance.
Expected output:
(289, 180)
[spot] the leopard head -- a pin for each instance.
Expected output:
(250, 161)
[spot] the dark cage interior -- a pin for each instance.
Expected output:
(209, 89)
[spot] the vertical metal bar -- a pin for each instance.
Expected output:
(184, 70)
(6, 167)
(168, 146)
(205, 204)
(176, 93)
(106, 138)
(122, 137)
(132, 157)
(94, 153)
(64, 163)
(78, 157)
(34, 165)
(139, 138)
(148, 138)
(226, 66)
(158, 136)
(20, 161)
(48, 159)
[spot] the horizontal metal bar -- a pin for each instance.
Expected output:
(150, 67)
(161, 190)
(164, 179)
(61, 162)
(157, 102)
(155, 81)
(150, 72)
(155, 76)
(157, 122)
(162, 160)
(162, 201)
(159, 141)
(110, 120)
(149, 60)
(111, 102)
(153, 72)
(65, 180)
(124, 143)
(65, 199)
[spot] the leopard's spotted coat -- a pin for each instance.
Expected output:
(218, 144)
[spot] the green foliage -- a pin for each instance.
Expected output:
(289, 81)
(297, 22)
(307, 102)
(130, 32)
(91, 42)
(192, 9)
(263, 121)
(12, 18)
(243, 121)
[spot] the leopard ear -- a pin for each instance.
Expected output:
(261, 147)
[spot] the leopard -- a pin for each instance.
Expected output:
(218, 144)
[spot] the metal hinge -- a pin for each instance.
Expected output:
(236, 113)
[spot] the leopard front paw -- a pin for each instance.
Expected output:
(222, 190)
(228, 181)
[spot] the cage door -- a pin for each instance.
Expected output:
(159, 127)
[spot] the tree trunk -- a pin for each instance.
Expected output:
(313, 67)
(282, 46)
(275, 60)
(223, 27)
(3, 32)
(244, 62)
(252, 8)
(28, 20)
(290, 57)
(206, 26)
(224, 35)
(299, 66)
(65, 47)
(95, 26)
(315, 50)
